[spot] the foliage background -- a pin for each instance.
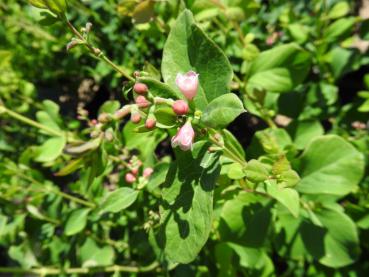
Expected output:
(307, 104)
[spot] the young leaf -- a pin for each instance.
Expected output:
(38, 4)
(76, 221)
(286, 196)
(222, 111)
(189, 48)
(118, 200)
(50, 149)
(160, 89)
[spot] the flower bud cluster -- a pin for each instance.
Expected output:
(135, 166)
(143, 110)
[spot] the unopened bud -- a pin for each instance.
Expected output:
(95, 133)
(119, 114)
(180, 107)
(147, 172)
(188, 84)
(108, 135)
(150, 123)
(130, 178)
(134, 171)
(142, 102)
(88, 27)
(103, 118)
(136, 74)
(72, 44)
(135, 117)
(140, 88)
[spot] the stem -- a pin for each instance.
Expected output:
(58, 192)
(97, 52)
(31, 122)
(43, 271)
(228, 152)
(74, 199)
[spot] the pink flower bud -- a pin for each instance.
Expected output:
(184, 137)
(134, 171)
(135, 117)
(188, 84)
(142, 102)
(130, 178)
(93, 122)
(140, 88)
(180, 107)
(147, 172)
(150, 123)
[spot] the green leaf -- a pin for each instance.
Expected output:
(286, 196)
(144, 142)
(279, 70)
(160, 89)
(302, 132)
(189, 48)
(165, 117)
(72, 166)
(50, 149)
(288, 241)
(336, 243)
(143, 12)
(158, 176)
(330, 165)
(76, 221)
(222, 111)
(230, 142)
(299, 32)
(23, 254)
(38, 4)
(50, 115)
(186, 212)
(246, 219)
(364, 108)
(339, 28)
(256, 171)
(235, 171)
(109, 107)
(92, 255)
(338, 10)
(56, 6)
(118, 200)
(48, 18)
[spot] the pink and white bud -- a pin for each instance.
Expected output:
(188, 84)
(142, 102)
(134, 171)
(140, 88)
(184, 137)
(147, 172)
(130, 178)
(180, 107)
(150, 123)
(135, 117)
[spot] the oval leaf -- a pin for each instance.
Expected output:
(222, 111)
(118, 200)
